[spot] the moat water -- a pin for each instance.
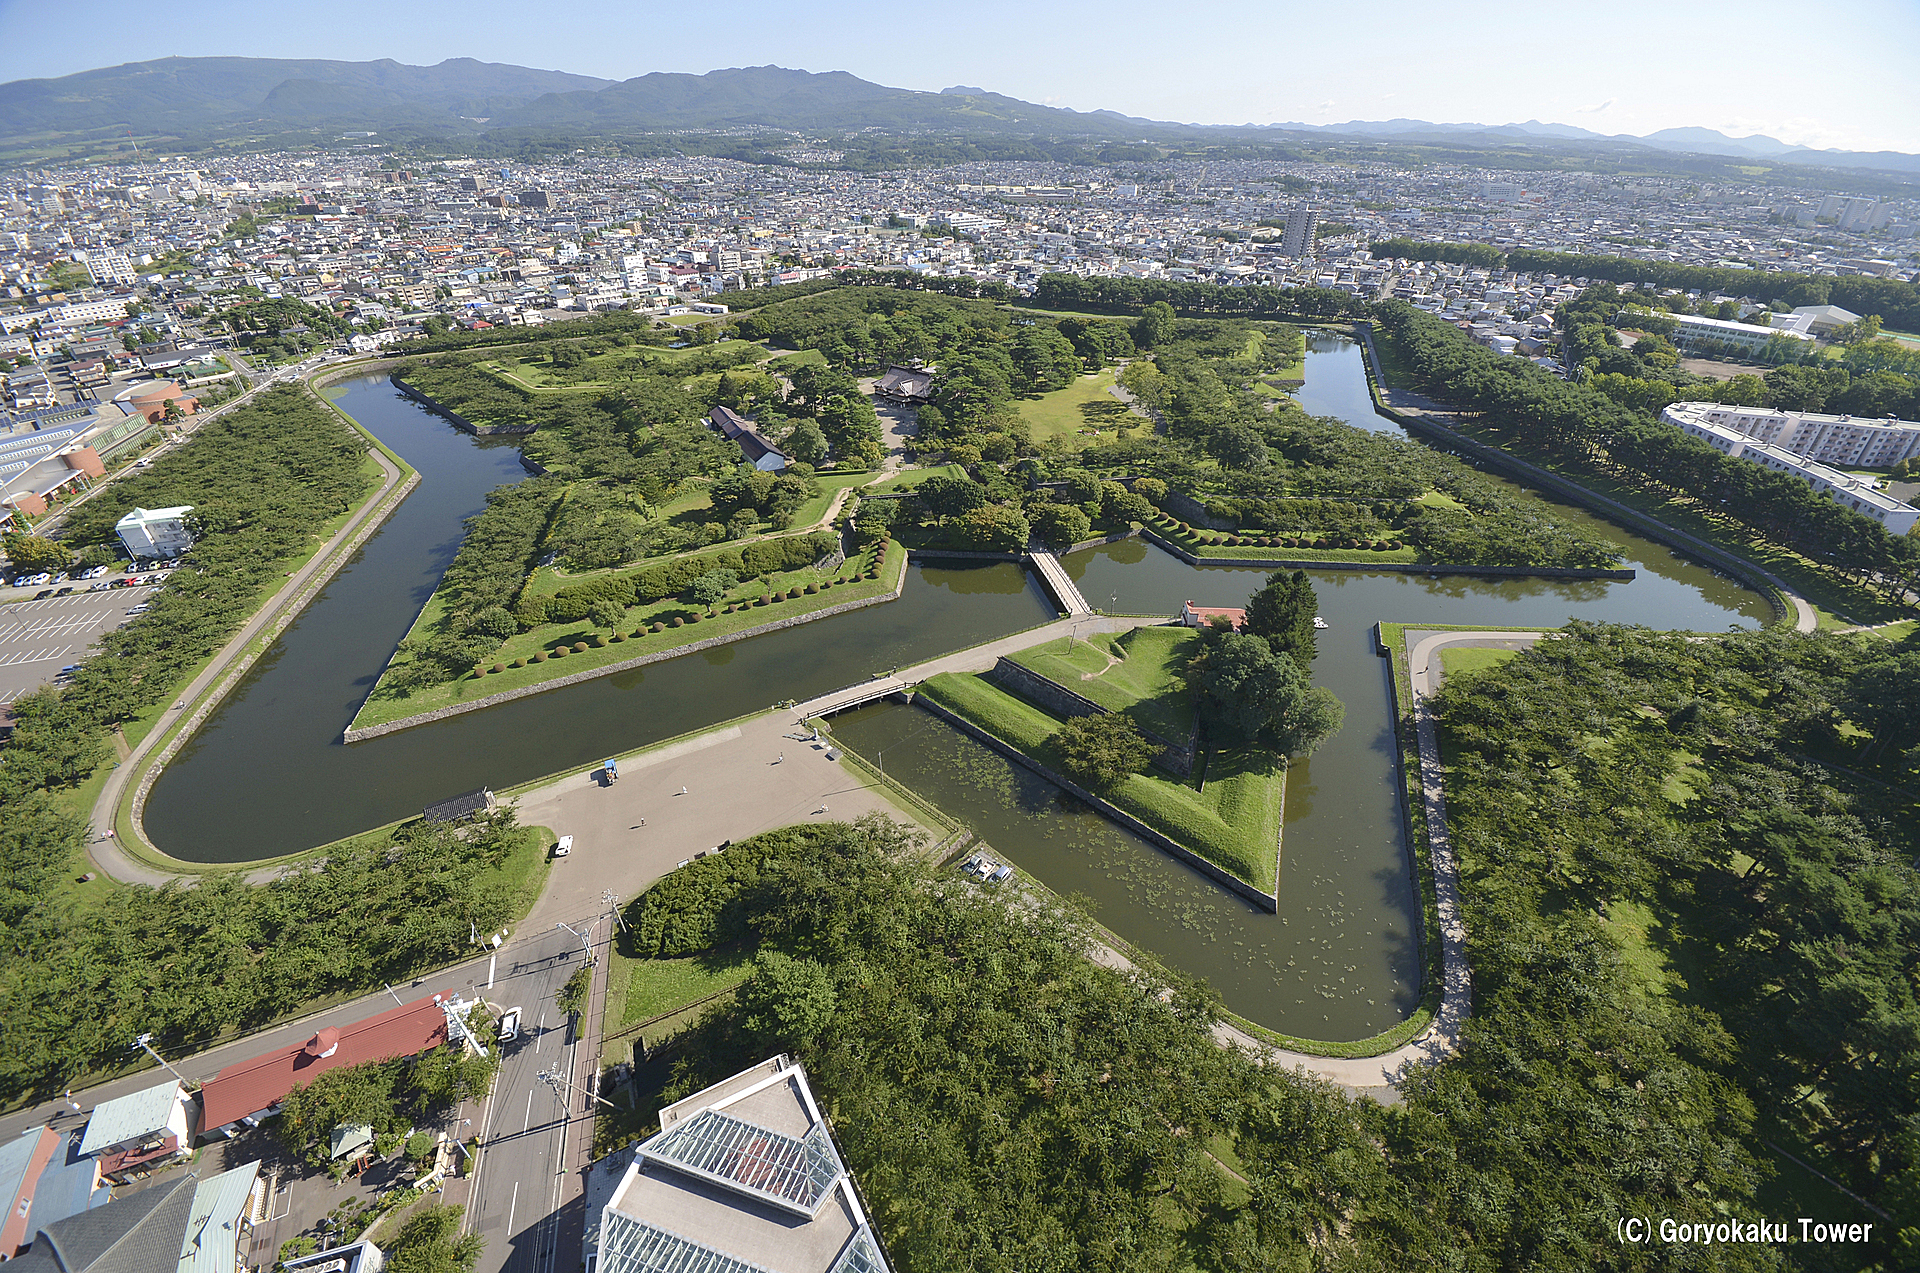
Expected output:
(267, 775)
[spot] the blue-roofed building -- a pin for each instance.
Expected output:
(743, 1177)
(186, 1224)
(43, 1180)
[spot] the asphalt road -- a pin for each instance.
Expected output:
(521, 1199)
(38, 638)
(525, 1198)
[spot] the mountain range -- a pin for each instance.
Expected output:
(188, 104)
(1686, 141)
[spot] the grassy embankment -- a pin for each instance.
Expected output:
(1233, 821)
(547, 641)
(1138, 673)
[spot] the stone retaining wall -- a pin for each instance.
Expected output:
(1400, 567)
(261, 643)
(1265, 901)
(625, 665)
(1063, 702)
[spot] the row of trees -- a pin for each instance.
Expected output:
(190, 963)
(1897, 301)
(1579, 425)
(1126, 295)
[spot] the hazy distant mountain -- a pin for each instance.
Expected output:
(194, 93)
(204, 101)
(1686, 141)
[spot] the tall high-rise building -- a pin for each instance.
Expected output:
(1302, 222)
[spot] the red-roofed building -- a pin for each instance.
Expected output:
(250, 1089)
(1201, 616)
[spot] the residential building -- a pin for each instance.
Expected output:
(1302, 223)
(189, 1225)
(138, 1132)
(43, 1180)
(1854, 493)
(156, 532)
(743, 1177)
(1841, 440)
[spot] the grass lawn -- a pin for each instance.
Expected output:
(1459, 658)
(1136, 672)
(1393, 364)
(796, 358)
(912, 478)
(548, 638)
(1233, 823)
(641, 989)
(1082, 413)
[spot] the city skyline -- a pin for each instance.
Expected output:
(1651, 68)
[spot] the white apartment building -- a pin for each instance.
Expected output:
(156, 532)
(1691, 327)
(108, 267)
(1857, 494)
(1844, 441)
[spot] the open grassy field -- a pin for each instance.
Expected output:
(911, 478)
(1138, 672)
(1467, 659)
(1082, 413)
(641, 989)
(552, 642)
(1233, 822)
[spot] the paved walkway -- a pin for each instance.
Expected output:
(106, 854)
(1059, 582)
(1380, 1076)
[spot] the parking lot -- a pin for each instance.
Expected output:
(38, 638)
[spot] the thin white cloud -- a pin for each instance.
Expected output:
(1594, 110)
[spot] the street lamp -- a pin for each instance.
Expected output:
(585, 947)
(146, 1041)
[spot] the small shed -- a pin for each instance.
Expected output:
(464, 805)
(350, 1140)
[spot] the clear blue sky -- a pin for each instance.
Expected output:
(1843, 75)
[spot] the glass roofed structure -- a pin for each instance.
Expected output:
(797, 1174)
(743, 1177)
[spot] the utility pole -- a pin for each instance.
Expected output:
(613, 908)
(556, 1080)
(146, 1041)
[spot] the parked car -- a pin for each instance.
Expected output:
(44, 592)
(563, 848)
(510, 1025)
(69, 669)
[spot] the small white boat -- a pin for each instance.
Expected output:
(1318, 622)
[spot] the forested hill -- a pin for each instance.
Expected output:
(196, 93)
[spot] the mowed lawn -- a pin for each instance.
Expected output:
(1234, 822)
(1081, 413)
(1136, 672)
(1471, 659)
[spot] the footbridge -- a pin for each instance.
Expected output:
(1059, 583)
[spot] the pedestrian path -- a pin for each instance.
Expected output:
(1059, 582)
